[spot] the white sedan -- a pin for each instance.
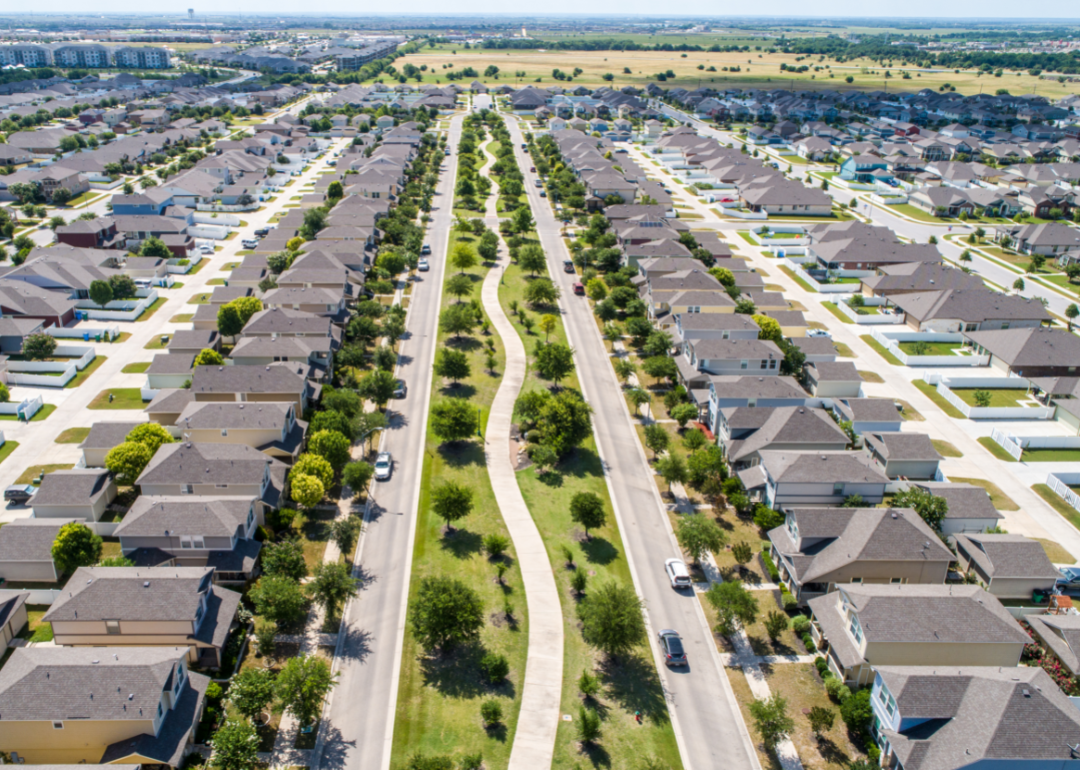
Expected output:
(678, 574)
(423, 266)
(384, 466)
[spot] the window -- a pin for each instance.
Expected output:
(838, 488)
(112, 626)
(896, 581)
(856, 629)
(793, 528)
(191, 541)
(221, 486)
(224, 431)
(58, 725)
(744, 364)
(186, 489)
(764, 364)
(772, 363)
(887, 700)
(251, 517)
(694, 309)
(856, 580)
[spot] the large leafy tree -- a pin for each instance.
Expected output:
(280, 599)
(208, 357)
(332, 584)
(310, 464)
(699, 534)
(285, 558)
(127, 461)
(155, 247)
(251, 691)
(303, 685)
(931, 509)
(451, 502)
(454, 419)
(554, 361)
(151, 435)
(229, 321)
(75, 546)
(452, 364)
(306, 490)
(531, 258)
(733, 605)
(564, 422)
(612, 619)
(458, 319)
(377, 386)
(445, 613)
(100, 293)
(541, 292)
(332, 447)
(38, 347)
(587, 509)
(235, 746)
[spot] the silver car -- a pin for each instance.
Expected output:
(384, 466)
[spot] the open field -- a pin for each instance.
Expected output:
(758, 69)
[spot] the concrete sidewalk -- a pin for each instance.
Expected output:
(534, 741)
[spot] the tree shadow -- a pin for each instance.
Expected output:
(596, 754)
(633, 682)
(464, 343)
(356, 644)
(457, 674)
(335, 748)
(461, 453)
(552, 479)
(461, 543)
(598, 550)
(461, 391)
(832, 753)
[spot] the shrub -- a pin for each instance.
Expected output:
(491, 712)
(800, 624)
(770, 567)
(472, 761)
(495, 667)
(808, 642)
(213, 691)
(856, 712)
(496, 545)
(822, 667)
(578, 581)
(589, 684)
(790, 602)
(832, 687)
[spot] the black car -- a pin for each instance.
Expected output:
(20, 493)
(568, 265)
(672, 647)
(425, 250)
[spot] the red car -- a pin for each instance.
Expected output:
(579, 288)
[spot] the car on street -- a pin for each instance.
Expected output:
(678, 574)
(425, 250)
(19, 493)
(538, 182)
(423, 266)
(543, 193)
(818, 333)
(672, 647)
(1068, 583)
(579, 289)
(532, 169)
(384, 466)
(250, 243)
(400, 388)
(568, 266)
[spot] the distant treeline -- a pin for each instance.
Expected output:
(605, 44)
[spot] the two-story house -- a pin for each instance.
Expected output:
(784, 478)
(213, 470)
(745, 431)
(124, 705)
(279, 382)
(703, 357)
(190, 531)
(1008, 566)
(818, 549)
(270, 427)
(859, 626)
(74, 494)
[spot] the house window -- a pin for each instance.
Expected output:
(112, 626)
(838, 488)
(896, 581)
(186, 489)
(191, 541)
(694, 309)
(224, 431)
(764, 364)
(856, 629)
(221, 486)
(856, 580)
(58, 725)
(772, 363)
(887, 700)
(744, 364)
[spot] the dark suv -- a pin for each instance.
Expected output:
(672, 647)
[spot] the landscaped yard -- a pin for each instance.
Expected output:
(136, 368)
(73, 436)
(151, 310)
(831, 307)
(1050, 456)
(41, 414)
(995, 449)
(30, 475)
(931, 392)
(793, 276)
(999, 397)
(7, 449)
(1067, 512)
(945, 449)
(871, 377)
(930, 348)
(84, 375)
(843, 351)
(122, 398)
(182, 318)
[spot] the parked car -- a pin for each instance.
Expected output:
(532, 169)
(400, 389)
(579, 288)
(262, 232)
(250, 243)
(384, 466)
(1068, 583)
(568, 265)
(678, 574)
(672, 647)
(206, 248)
(543, 193)
(818, 333)
(423, 266)
(20, 493)
(425, 250)
(538, 182)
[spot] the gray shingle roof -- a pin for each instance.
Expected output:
(868, 409)
(205, 463)
(1030, 347)
(821, 467)
(171, 363)
(965, 501)
(170, 400)
(1061, 633)
(275, 378)
(71, 487)
(979, 713)
(903, 446)
(1008, 556)
(976, 305)
(106, 435)
(789, 425)
(750, 386)
(29, 539)
(833, 371)
(152, 516)
(132, 593)
(268, 415)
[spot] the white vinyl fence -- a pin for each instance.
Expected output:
(891, 341)
(1008, 443)
(889, 317)
(824, 288)
(24, 409)
(1060, 483)
(117, 310)
(84, 333)
(945, 385)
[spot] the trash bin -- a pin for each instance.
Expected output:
(86, 336)
(97, 338)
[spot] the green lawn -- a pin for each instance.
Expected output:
(930, 391)
(203, 262)
(136, 368)
(1009, 397)
(84, 375)
(996, 449)
(914, 213)
(999, 499)
(182, 318)
(156, 343)
(1050, 456)
(30, 475)
(73, 436)
(944, 448)
(36, 630)
(831, 307)
(881, 350)
(870, 376)
(843, 351)
(931, 348)
(123, 398)
(7, 449)
(149, 312)
(745, 235)
(793, 276)
(42, 413)
(200, 299)
(1067, 512)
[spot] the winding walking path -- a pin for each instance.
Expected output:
(534, 740)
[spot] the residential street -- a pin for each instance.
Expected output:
(703, 710)
(362, 707)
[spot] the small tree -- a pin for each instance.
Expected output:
(345, 531)
(931, 508)
(612, 619)
(656, 438)
(821, 720)
(229, 321)
(127, 461)
(548, 323)
(208, 357)
(554, 361)
(491, 712)
(235, 746)
(672, 469)
(587, 509)
(356, 476)
(776, 623)
(698, 534)
(463, 257)
(100, 293)
(332, 447)
(695, 439)
(454, 419)
(683, 413)
(982, 397)
(307, 491)
(733, 605)
(285, 558)
(624, 369)
(313, 465)
(445, 612)
(639, 397)
(452, 364)
(151, 435)
(251, 691)
(771, 720)
(75, 546)
(303, 685)
(279, 599)
(451, 501)
(332, 584)
(495, 667)
(588, 726)
(742, 553)
(38, 347)
(1071, 312)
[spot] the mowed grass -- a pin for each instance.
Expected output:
(1052, 499)
(438, 708)
(41, 414)
(123, 398)
(84, 375)
(1009, 397)
(881, 350)
(931, 393)
(998, 499)
(945, 449)
(30, 475)
(995, 449)
(633, 685)
(73, 436)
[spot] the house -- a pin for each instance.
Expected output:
(275, 382)
(260, 351)
(954, 310)
(745, 431)
(713, 326)
(127, 705)
(819, 549)
(834, 379)
(194, 531)
(26, 550)
(725, 391)
(910, 277)
(868, 414)
(815, 348)
(1060, 634)
(970, 507)
(860, 626)
(1031, 352)
(962, 718)
(103, 436)
(169, 371)
(270, 427)
(1047, 238)
(903, 455)
(193, 341)
(730, 357)
(166, 406)
(1008, 566)
(787, 478)
(13, 615)
(212, 469)
(82, 494)
(146, 607)
(781, 196)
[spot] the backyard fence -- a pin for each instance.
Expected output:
(1008, 443)
(1059, 482)
(891, 341)
(25, 409)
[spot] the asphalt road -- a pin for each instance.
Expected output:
(361, 713)
(711, 733)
